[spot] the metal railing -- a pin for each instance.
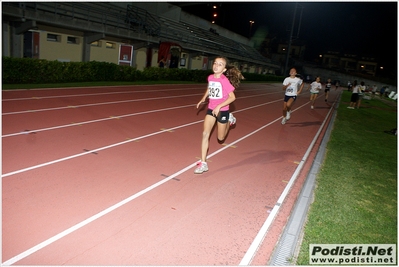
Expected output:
(135, 20)
(143, 19)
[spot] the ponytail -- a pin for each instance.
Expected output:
(234, 75)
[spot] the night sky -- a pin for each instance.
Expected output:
(366, 28)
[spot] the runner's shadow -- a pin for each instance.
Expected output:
(258, 157)
(324, 107)
(304, 124)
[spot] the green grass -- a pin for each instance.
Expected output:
(356, 189)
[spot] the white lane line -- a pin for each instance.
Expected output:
(253, 249)
(113, 145)
(120, 116)
(93, 121)
(121, 203)
(110, 146)
(105, 93)
(98, 94)
(92, 218)
(125, 201)
(96, 150)
(96, 104)
(109, 103)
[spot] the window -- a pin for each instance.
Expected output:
(96, 43)
(53, 37)
(72, 40)
(110, 45)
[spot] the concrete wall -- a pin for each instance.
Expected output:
(5, 41)
(63, 51)
(102, 53)
(59, 50)
(141, 57)
(196, 63)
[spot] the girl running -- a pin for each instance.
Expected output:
(292, 86)
(327, 89)
(315, 88)
(221, 85)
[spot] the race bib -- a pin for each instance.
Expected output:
(215, 90)
(289, 90)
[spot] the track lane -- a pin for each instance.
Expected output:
(216, 173)
(117, 128)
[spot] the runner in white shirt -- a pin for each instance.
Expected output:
(292, 86)
(314, 88)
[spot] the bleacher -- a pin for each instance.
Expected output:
(191, 34)
(207, 39)
(137, 22)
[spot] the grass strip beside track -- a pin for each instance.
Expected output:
(355, 199)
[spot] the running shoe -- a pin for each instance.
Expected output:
(284, 121)
(288, 116)
(232, 119)
(202, 167)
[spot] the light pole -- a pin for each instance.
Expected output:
(250, 27)
(291, 33)
(290, 41)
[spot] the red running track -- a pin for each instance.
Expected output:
(105, 176)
